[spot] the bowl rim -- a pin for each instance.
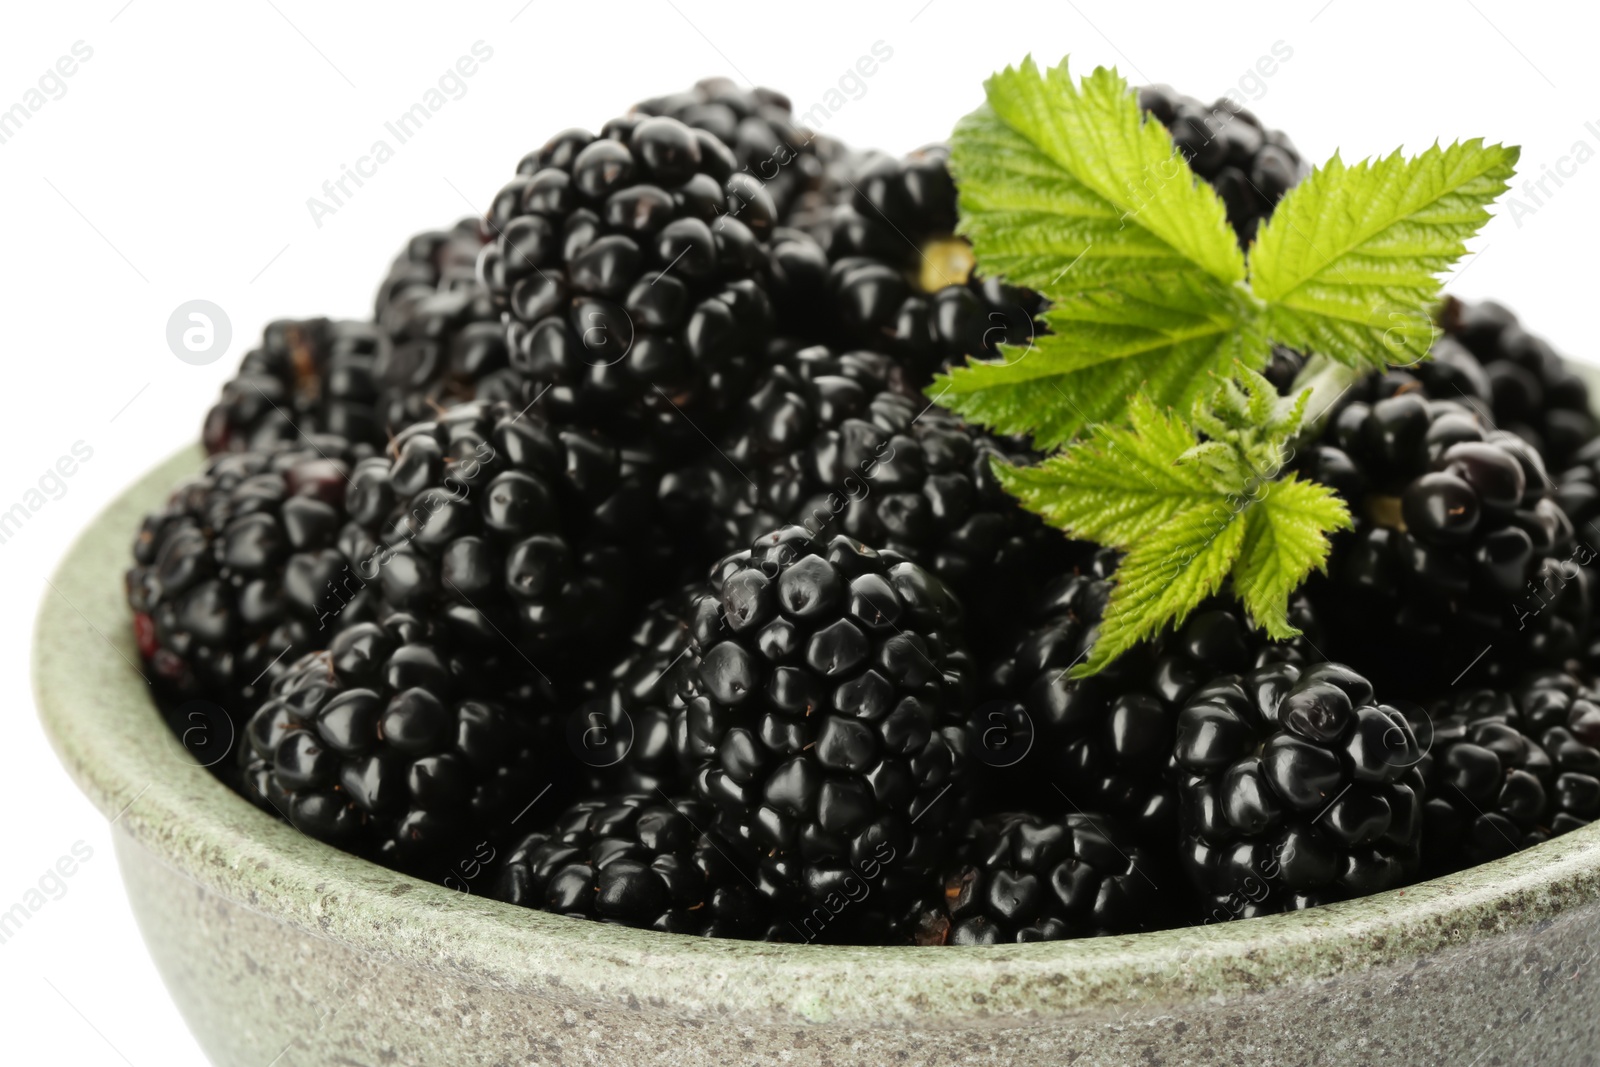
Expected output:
(97, 713)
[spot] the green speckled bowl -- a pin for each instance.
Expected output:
(280, 950)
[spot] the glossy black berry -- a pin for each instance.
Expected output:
(827, 727)
(886, 259)
(1104, 743)
(1295, 789)
(245, 570)
(504, 528)
(399, 744)
(631, 267)
(306, 377)
(1459, 546)
(642, 860)
(1023, 878)
(1528, 388)
(1507, 769)
(833, 441)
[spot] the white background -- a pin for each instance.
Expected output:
(178, 162)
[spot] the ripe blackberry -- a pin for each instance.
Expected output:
(503, 527)
(397, 744)
(898, 279)
(637, 860)
(631, 726)
(1025, 878)
(447, 342)
(631, 268)
(1577, 490)
(1458, 548)
(1508, 769)
(1104, 743)
(242, 572)
(1250, 166)
(826, 729)
(1533, 393)
(1296, 790)
(432, 262)
(307, 376)
(895, 278)
(758, 126)
(833, 442)
(435, 338)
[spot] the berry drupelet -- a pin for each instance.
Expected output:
(1458, 546)
(637, 860)
(241, 573)
(503, 527)
(1026, 878)
(1508, 769)
(826, 730)
(631, 267)
(397, 744)
(1296, 789)
(307, 376)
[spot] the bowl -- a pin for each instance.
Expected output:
(281, 950)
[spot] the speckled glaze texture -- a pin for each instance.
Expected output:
(274, 945)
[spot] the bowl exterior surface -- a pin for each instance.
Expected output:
(256, 990)
(275, 945)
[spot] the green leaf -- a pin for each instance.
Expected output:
(1119, 485)
(1068, 189)
(1166, 335)
(1164, 577)
(1052, 173)
(1186, 517)
(1349, 262)
(1285, 540)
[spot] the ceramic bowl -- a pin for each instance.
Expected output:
(281, 950)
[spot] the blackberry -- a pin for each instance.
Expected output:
(833, 442)
(630, 727)
(447, 342)
(503, 527)
(631, 269)
(307, 376)
(1104, 743)
(243, 567)
(397, 744)
(826, 728)
(636, 860)
(897, 278)
(432, 262)
(435, 338)
(1508, 769)
(1533, 393)
(1296, 790)
(1458, 547)
(759, 127)
(1026, 878)
(1577, 490)
(1250, 166)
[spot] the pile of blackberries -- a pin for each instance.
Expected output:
(619, 567)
